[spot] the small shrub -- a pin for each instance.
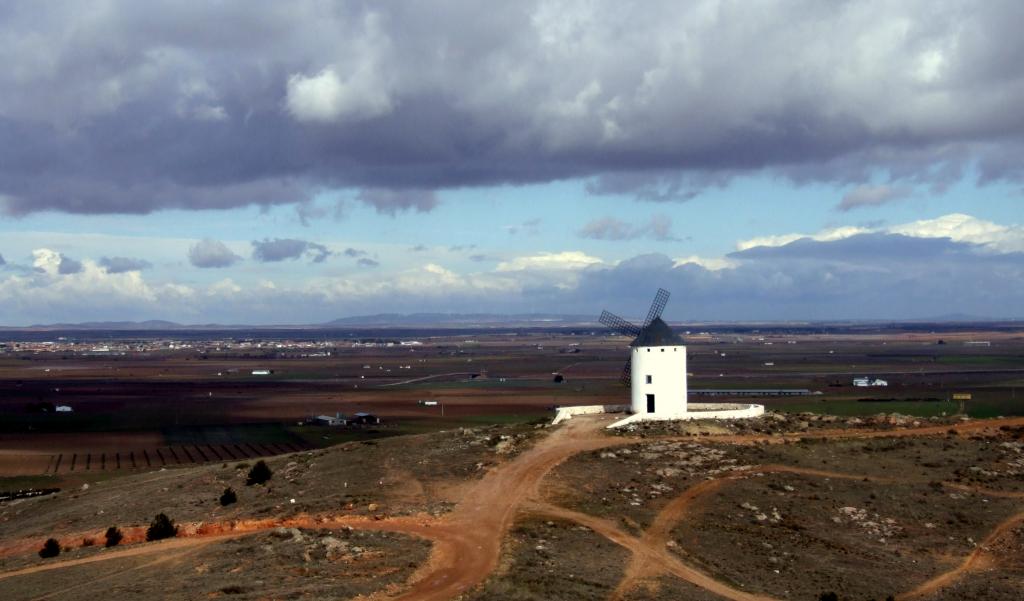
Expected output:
(51, 548)
(114, 536)
(228, 497)
(161, 527)
(830, 596)
(88, 542)
(259, 473)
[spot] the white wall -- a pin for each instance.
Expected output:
(698, 411)
(565, 413)
(667, 367)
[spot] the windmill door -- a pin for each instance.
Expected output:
(650, 403)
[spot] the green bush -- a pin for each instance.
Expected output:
(228, 497)
(51, 548)
(259, 473)
(161, 527)
(113, 536)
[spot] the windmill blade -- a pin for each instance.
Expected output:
(618, 324)
(660, 300)
(627, 372)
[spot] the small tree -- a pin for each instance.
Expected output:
(228, 497)
(161, 527)
(259, 473)
(829, 596)
(114, 536)
(51, 548)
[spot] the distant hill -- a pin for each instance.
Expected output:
(152, 324)
(459, 319)
(379, 320)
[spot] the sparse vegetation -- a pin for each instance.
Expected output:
(113, 536)
(88, 542)
(161, 527)
(259, 474)
(228, 497)
(51, 548)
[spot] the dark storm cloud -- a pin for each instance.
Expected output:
(610, 228)
(129, 107)
(280, 249)
(123, 264)
(391, 202)
(871, 196)
(209, 253)
(862, 277)
(68, 266)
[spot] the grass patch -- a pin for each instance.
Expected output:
(981, 360)
(851, 408)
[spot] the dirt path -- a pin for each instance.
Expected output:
(425, 378)
(651, 558)
(475, 529)
(973, 561)
(648, 556)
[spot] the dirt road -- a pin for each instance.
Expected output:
(473, 533)
(972, 562)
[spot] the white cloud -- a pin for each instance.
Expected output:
(46, 260)
(563, 261)
(955, 226)
(965, 228)
(353, 91)
(709, 263)
(325, 97)
(827, 235)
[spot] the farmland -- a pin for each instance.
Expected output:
(163, 404)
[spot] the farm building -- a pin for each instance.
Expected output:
(330, 420)
(364, 419)
(868, 382)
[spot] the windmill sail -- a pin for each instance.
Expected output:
(622, 326)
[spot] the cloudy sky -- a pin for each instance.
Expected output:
(268, 162)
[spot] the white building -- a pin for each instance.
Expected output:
(868, 382)
(658, 373)
(658, 385)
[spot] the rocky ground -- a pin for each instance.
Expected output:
(782, 507)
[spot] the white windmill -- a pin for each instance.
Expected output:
(656, 368)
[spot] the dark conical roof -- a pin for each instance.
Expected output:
(658, 333)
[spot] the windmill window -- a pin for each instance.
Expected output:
(650, 379)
